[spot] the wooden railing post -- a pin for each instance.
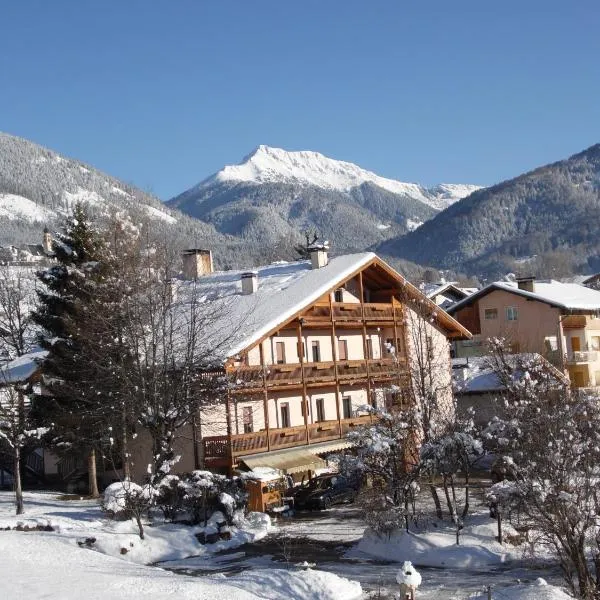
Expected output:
(266, 394)
(334, 348)
(301, 351)
(364, 334)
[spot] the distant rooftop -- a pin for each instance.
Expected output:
(568, 296)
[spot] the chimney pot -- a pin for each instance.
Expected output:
(249, 282)
(526, 284)
(319, 255)
(196, 263)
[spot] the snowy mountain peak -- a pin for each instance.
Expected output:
(266, 164)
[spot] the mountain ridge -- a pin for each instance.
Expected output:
(273, 194)
(534, 219)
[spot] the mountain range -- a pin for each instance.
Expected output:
(273, 194)
(544, 223)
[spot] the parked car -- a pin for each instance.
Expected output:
(324, 491)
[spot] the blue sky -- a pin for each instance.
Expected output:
(163, 93)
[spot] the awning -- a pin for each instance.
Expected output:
(290, 461)
(332, 446)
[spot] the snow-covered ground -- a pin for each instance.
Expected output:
(437, 547)
(56, 564)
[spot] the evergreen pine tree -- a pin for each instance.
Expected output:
(77, 405)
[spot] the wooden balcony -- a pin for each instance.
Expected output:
(223, 449)
(346, 313)
(288, 376)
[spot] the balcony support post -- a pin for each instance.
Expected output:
(396, 357)
(334, 350)
(229, 432)
(361, 294)
(265, 394)
(303, 379)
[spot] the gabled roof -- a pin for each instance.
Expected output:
(567, 296)
(450, 290)
(284, 290)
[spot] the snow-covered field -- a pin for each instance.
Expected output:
(40, 564)
(52, 564)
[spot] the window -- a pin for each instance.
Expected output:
(316, 352)
(338, 295)
(342, 350)
(490, 313)
(320, 409)
(512, 313)
(347, 407)
(280, 352)
(247, 419)
(369, 347)
(284, 409)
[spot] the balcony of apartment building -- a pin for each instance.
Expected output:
(223, 450)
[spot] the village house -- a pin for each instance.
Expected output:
(479, 387)
(560, 321)
(307, 346)
(446, 294)
(29, 254)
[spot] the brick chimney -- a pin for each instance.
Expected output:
(249, 283)
(319, 254)
(527, 284)
(196, 263)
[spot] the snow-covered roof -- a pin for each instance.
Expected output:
(240, 320)
(22, 368)
(475, 375)
(568, 296)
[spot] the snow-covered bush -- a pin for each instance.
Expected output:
(128, 500)
(170, 496)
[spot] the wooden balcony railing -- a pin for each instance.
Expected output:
(223, 447)
(289, 375)
(346, 311)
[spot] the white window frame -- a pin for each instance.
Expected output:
(512, 313)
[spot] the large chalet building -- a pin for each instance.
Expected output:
(306, 346)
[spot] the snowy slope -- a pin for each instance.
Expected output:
(273, 194)
(274, 165)
(38, 188)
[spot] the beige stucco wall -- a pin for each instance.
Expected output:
(434, 364)
(535, 322)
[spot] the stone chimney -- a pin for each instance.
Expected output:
(319, 254)
(196, 263)
(527, 284)
(249, 283)
(47, 241)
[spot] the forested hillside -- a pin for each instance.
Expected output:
(38, 188)
(544, 222)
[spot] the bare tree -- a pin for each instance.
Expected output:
(552, 435)
(16, 427)
(17, 335)
(429, 394)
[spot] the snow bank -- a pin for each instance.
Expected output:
(539, 590)
(57, 568)
(478, 547)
